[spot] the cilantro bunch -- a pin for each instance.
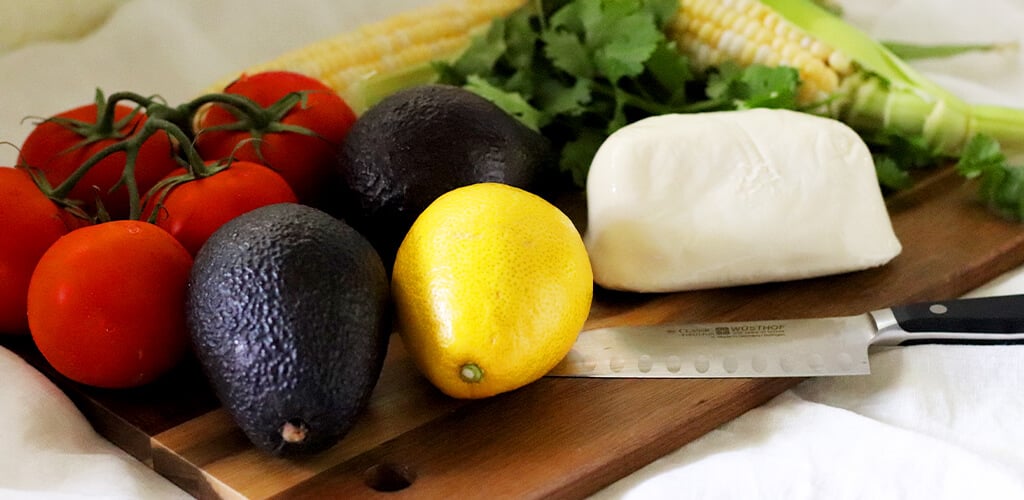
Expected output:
(579, 70)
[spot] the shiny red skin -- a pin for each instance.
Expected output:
(306, 162)
(29, 224)
(192, 211)
(106, 304)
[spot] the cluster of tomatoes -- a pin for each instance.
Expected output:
(109, 203)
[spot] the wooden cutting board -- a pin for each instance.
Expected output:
(557, 437)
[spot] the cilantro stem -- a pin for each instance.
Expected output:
(702, 106)
(653, 107)
(632, 100)
(538, 9)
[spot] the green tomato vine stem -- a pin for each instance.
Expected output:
(176, 122)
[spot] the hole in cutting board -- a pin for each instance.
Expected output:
(388, 477)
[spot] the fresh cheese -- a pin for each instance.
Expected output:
(693, 201)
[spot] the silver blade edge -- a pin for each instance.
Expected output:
(782, 348)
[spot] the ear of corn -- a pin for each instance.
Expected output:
(853, 77)
(394, 52)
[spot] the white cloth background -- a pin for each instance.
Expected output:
(931, 422)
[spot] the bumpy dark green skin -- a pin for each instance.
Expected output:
(422, 142)
(288, 309)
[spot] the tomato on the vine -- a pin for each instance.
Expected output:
(106, 304)
(29, 224)
(59, 145)
(192, 210)
(305, 160)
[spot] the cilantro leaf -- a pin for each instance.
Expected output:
(627, 49)
(556, 98)
(890, 174)
(511, 102)
(523, 82)
(1001, 184)
(602, 19)
(771, 87)
(484, 53)
(908, 151)
(567, 53)
(520, 40)
(578, 153)
(755, 86)
(981, 155)
(664, 11)
(568, 17)
(670, 72)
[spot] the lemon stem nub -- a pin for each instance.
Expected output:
(471, 373)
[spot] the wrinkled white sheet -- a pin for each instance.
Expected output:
(931, 422)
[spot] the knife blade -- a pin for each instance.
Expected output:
(789, 348)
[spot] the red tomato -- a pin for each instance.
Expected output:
(29, 224)
(306, 162)
(192, 211)
(58, 151)
(106, 304)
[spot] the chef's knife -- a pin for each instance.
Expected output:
(789, 348)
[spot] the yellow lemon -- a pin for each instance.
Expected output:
(492, 285)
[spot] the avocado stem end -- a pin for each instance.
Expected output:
(294, 431)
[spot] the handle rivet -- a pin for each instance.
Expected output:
(938, 309)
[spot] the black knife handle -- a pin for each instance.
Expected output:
(1001, 314)
(985, 320)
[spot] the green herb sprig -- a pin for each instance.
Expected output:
(1001, 184)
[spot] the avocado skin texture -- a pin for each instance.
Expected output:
(421, 142)
(289, 313)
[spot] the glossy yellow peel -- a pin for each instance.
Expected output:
(491, 285)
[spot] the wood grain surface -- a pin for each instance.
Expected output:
(558, 437)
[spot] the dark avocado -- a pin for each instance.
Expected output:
(289, 313)
(422, 142)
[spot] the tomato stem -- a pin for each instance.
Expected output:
(253, 117)
(128, 178)
(195, 163)
(131, 147)
(64, 188)
(176, 122)
(105, 115)
(241, 106)
(105, 126)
